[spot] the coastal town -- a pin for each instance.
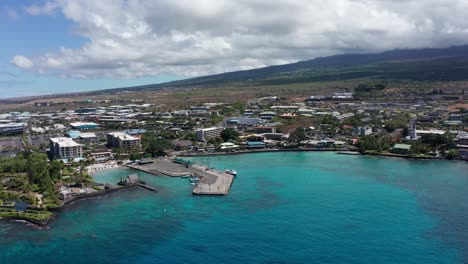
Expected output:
(47, 156)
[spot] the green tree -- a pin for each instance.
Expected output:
(417, 147)
(452, 154)
(55, 169)
(156, 146)
(405, 132)
(229, 134)
(298, 135)
(377, 143)
(38, 173)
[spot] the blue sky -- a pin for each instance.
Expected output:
(59, 46)
(34, 35)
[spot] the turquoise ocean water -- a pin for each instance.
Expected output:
(282, 208)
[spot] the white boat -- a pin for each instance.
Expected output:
(194, 179)
(232, 172)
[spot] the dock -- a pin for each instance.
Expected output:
(212, 182)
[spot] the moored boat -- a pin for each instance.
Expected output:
(194, 179)
(231, 171)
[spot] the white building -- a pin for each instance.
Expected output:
(65, 148)
(123, 141)
(362, 131)
(205, 134)
(342, 96)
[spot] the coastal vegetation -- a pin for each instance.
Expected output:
(155, 145)
(29, 180)
(229, 134)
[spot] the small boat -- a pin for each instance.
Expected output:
(186, 176)
(232, 172)
(194, 179)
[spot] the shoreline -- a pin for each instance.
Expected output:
(40, 224)
(338, 151)
(261, 151)
(101, 167)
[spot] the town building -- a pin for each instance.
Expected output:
(65, 148)
(82, 126)
(267, 115)
(11, 129)
(342, 96)
(402, 149)
(205, 134)
(123, 141)
(362, 131)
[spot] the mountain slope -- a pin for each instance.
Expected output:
(434, 64)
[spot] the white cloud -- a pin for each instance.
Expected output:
(11, 13)
(48, 8)
(138, 38)
(22, 62)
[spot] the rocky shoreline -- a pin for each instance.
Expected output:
(40, 224)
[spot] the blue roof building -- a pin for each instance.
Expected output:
(73, 134)
(255, 144)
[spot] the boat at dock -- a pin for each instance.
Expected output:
(194, 179)
(232, 172)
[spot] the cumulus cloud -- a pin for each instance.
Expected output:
(130, 38)
(22, 62)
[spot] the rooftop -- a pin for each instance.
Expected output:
(64, 142)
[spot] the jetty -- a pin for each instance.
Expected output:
(134, 180)
(212, 182)
(147, 187)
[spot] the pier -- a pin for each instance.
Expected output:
(147, 187)
(212, 182)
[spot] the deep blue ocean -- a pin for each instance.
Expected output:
(302, 207)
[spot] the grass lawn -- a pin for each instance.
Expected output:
(28, 214)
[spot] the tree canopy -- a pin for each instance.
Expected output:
(155, 146)
(229, 134)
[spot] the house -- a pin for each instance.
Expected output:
(362, 131)
(264, 129)
(244, 121)
(267, 115)
(402, 149)
(182, 144)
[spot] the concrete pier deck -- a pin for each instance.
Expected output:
(163, 167)
(212, 182)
